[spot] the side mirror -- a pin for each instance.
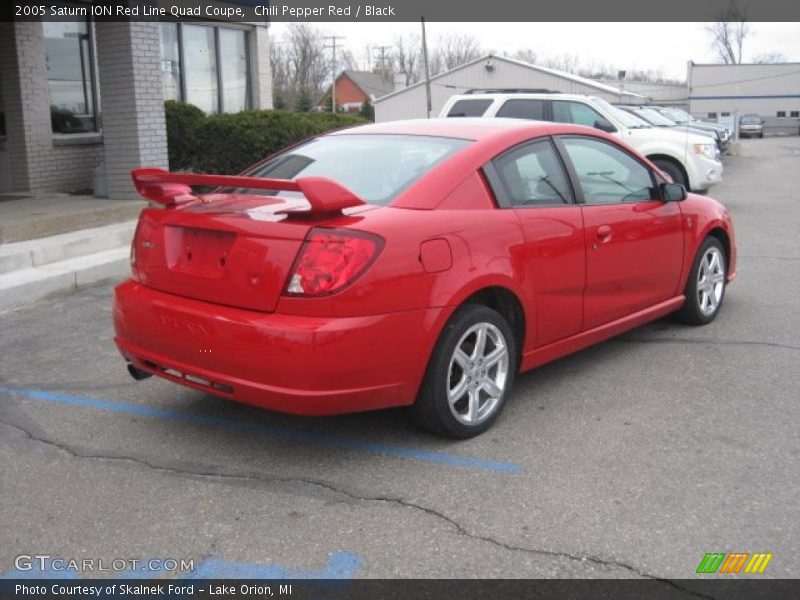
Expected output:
(604, 125)
(673, 192)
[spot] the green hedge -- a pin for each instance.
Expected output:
(229, 143)
(183, 120)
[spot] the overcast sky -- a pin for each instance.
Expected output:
(631, 46)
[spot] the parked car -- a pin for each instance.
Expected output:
(689, 159)
(419, 263)
(751, 126)
(681, 117)
(656, 119)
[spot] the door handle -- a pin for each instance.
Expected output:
(604, 233)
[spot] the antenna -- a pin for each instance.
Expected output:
(333, 39)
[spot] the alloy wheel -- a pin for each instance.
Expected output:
(478, 374)
(710, 281)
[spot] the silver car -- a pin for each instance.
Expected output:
(751, 126)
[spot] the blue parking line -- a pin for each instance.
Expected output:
(320, 439)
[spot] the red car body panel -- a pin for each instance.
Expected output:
(208, 307)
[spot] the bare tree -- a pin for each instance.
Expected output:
(563, 62)
(527, 55)
(454, 50)
(281, 84)
(346, 60)
(728, 34)
(771, 58)
(300, 67)
(406, 55)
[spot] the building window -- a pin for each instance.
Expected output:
(795, 114)
(781, 114)
(170, 61)
(233, 60)
(206, 66)
(726, 114)
(70, 76)
(712, 115)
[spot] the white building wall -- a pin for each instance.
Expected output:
(671, 94)
(410, 103)
(760, 89)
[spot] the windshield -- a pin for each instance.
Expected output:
(376, 167)
(655, 117)
(627, 119)
(752, 120)
(676, 115)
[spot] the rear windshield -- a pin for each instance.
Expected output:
(469, 108)
(375, 167)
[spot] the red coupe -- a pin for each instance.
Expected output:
(419, 263)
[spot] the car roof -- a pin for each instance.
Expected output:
(469, 128)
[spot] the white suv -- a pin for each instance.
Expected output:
(688, 158)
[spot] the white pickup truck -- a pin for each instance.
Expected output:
(688, 158)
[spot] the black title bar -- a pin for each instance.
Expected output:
(388, 11)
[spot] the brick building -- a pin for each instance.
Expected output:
(355, 88)
(80, 94)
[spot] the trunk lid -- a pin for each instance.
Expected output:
(231, 249)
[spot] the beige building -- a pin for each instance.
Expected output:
(81, 94)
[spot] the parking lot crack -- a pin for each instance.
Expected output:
(458, 528)
(705, 342)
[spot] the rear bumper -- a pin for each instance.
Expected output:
(288, 363)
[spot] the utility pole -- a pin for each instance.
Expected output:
(427, 67)
(333, 39)
(382, 50)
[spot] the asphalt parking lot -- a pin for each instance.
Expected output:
(633, 458)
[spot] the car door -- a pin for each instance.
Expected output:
(531, 180)
(633, 240)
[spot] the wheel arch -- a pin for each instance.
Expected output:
(673, 161)
(508, 304)
(720, 234)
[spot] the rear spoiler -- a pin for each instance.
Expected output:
(173, 189)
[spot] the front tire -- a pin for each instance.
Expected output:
(674, 171)
(469, 374)
(705, 288)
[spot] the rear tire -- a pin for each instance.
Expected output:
(673, 170)
(469, 375)
(705, 288)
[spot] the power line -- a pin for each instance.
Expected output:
(333, 39)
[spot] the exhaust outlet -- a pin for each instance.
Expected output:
(137, 373)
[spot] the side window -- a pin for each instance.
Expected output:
(469, 108)
(574, 112)
(532, 175)
(606, 174)
(523, 109)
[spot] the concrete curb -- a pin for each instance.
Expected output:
(36, 269)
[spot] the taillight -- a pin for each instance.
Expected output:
(330, 260)
(134, 269)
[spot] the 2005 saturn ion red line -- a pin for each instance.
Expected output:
(419, 263)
